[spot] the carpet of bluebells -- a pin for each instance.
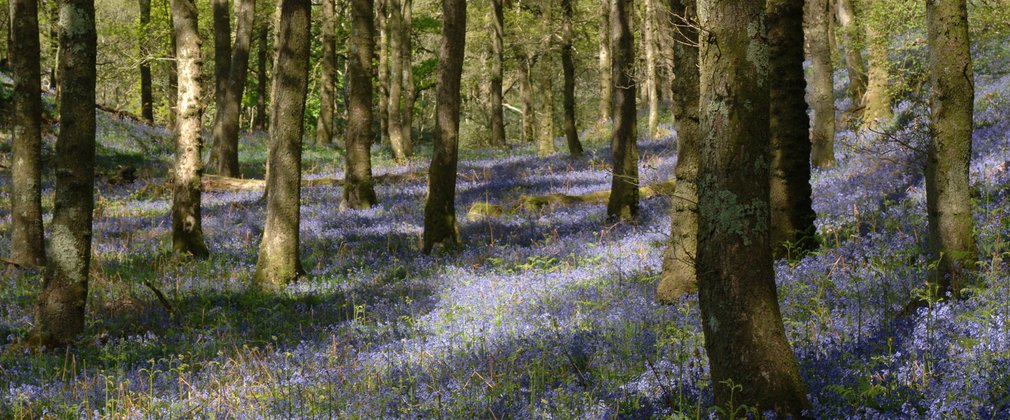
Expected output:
(547, 313)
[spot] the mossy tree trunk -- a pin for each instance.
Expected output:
(948, 200)
(382, 69)
(226, 120)
(818, 15)
(649, 38)
(606, 78)
(679, 257)
(59, 312)
(523, 65)
(394, 27)
(409, 92)
(359, 190)
(544, 81)
(187, 230)
(279, 262)
(568, 67)
(497, 64)
(146, 96)
(623, 203)
(852, 37)
(877, 100)
(27, 238)
(744, 334)
(327, 73)
(440, 224)
(792, 214)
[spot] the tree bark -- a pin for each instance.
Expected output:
(951, 103)
(328, 72)
(382, 71)
(497, 60)
(606, 78)
(53, 9)
(440, 225)
(394, 28)
(523, 63)
(651, 78)
(222, 64)
(27, 237)
(877, 101)
(261, 80)
(359, 190)
(409, 92)
(59, 314)
(173, 73)
(545, 105)
(226, 120)
(853, 39)
(744, 335)
(187, 230)
(623, 203)
(679, 259)
(568, 65)
(278, 263)
(792, 213)
(822, 135)
(146, 96)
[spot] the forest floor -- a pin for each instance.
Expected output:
(547, 312)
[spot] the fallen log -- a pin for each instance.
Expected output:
(216, 183)
(484, 209)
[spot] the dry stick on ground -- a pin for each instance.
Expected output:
(161, 297)
(484, 209)
(214, 183)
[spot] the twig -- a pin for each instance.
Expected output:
(161, 297)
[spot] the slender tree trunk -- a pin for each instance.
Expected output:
(678, 261)
(279, 262)
(27, 238)
(744, 335)
(382, 71)
(53, 9)
(440, 225)
(568, 65)
(545, 106)
(409, 92)
(526, 94)
(606, 78)
(328, 72)
(359, 190)
(497, 60)
(853, 40)
(394, 28)
(146, 97)
(624, 190)
(173, 73)
(822, 135)
(222, 68)
(951, 103)
(187, 231)
(792, 214)
(651, 64)
(261, 80)
(59, 312)
(226, 120)
(877, 101)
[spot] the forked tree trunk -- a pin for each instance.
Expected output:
(146, 96)
(853, 39)
(359, 190)
(751, 362)
(59, 312)
(951, 103)
(623, 203)
(822, 135)
(568, 65)
(327, 74)
(226, 121)
(606, 78)
(497, 59)
(27, 239)
(187, 230)
(792, 213)
(440, 225)
(279, 262)
(679, 259)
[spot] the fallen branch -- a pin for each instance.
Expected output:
(161, 297)
(483, 209)
(216, 183)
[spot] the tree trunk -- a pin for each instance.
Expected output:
(394, 28)
(606, 78)
(173, 73)
(568, 65)
(409, 93)
(744, 335)
(792, 213)
(877, 101)
(624, 147)
(948, 198)
(328, 72)
(382, 71)
(359, 190)
(278, 262)
(651, 84)
(497, 60)
(146, 97)
(53, 9)
(526, 94)
(28, 246)
(679, 259)
(545, 105)
(822, 134)
(187, 231)
(222, 64)
(226, 121)
(440, 225)
(853, 39)
(59, 315)
(261, 80)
